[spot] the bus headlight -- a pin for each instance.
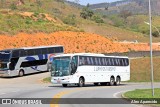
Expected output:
(66, 78)
(8, 72)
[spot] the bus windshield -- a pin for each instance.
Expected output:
(5, 56)
(60, 66)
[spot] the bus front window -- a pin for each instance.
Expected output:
(4, 56)
(60, 66)
(4, 59)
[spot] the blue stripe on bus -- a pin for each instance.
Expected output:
(40, 57)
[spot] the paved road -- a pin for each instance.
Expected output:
(28, 79)
(31, 87)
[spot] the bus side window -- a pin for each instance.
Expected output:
(50, 50)
(38, 52)
(126, 62)
(44, 50)
(106, 61)
(16, 53)
(88, 61)
(92, 62)
(103, 62)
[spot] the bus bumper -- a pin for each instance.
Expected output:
(8, 73)
(62, 80)
(4, 73)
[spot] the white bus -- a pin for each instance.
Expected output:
(84, 68)
(20, 61)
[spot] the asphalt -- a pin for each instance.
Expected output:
(31, 87)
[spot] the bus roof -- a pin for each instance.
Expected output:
(88, 54)
(41, 47)
(32, 47)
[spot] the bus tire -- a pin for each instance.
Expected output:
(118, 81)
(112, 81)
(64, 85)
(81, 82)
(103, 83)
(21, 73)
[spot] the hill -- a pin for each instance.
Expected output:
(65, 17)
(41, 22)
(134, 6)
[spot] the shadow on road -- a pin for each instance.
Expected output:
(87, 85)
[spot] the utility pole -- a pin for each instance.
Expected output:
(151, 53)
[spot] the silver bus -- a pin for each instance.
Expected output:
(20, 61)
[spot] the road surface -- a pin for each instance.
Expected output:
(31, 87)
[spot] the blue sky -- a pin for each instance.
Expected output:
(85, 2)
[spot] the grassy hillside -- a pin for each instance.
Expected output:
(34, 16)
(29, 22)
(65, 17)
(140, 69)
(136, 23)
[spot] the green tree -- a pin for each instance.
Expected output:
(86, 13)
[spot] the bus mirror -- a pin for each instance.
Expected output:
(72, 64)
(49, 70)
(8, 65)
(49, 66)
(11, 66)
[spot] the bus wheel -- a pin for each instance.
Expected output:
(81, 82)
(118, 80)
(21, 73)
(112, 81)
(64, 85)
(96, 84)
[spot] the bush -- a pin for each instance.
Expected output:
(36, 14)
(70, 20)
(97, 19)
(155, 34)
(13, 6)
(144, 29)
(118, 22)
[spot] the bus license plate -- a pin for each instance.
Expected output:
(58, 81)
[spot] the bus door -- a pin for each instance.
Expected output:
(74, 64)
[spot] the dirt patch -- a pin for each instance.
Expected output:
(73, 42)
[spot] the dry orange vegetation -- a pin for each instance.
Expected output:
(72, 41)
